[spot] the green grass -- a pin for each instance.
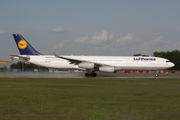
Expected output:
(140, 74)
(90, 98)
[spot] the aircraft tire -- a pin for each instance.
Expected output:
(93, 74)
(156, 75)
(87, 74)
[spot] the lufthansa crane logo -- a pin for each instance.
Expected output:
(22, 44)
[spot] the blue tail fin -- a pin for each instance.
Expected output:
(24, 47)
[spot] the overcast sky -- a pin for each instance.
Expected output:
(91, 27)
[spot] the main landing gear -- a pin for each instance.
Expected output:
(92, 74)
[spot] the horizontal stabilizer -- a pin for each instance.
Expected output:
(25, 58)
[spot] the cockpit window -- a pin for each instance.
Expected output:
(167, 61)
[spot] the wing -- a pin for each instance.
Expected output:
(25, 58)
(72, 61)
(77, 61)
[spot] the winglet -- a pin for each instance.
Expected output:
(56, 55)
(71, 60)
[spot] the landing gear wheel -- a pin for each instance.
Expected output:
(93, 74)
(90, 75)
(87, 74)
(156, 75)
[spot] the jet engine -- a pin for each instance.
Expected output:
(106, 69)
(86, 65)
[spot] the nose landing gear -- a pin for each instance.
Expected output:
(156, 75)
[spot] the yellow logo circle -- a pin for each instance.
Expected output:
(22, 44)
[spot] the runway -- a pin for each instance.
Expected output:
(43, 75)
(76, 75)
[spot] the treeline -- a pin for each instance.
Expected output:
(27, 67)
(173, 56)
(3, 69)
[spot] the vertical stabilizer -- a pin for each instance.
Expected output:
(24, 47)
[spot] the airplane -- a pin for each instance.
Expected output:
(91, 64)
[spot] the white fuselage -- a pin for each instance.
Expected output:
(119, 62)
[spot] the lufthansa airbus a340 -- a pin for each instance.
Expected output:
(88, 63)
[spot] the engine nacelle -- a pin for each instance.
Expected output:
(106, 69)
(86, 65)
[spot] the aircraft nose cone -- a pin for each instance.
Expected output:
(172, 64)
